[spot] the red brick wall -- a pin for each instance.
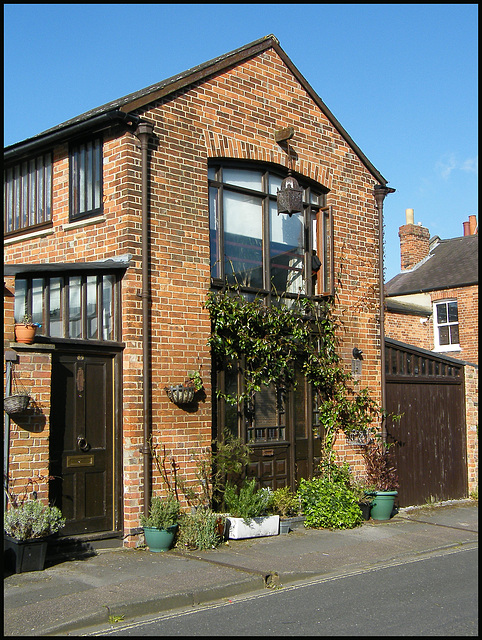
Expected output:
(408, 328)
(233, 114)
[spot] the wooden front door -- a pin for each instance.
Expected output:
(82, 442)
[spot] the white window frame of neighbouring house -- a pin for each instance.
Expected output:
(446, 325)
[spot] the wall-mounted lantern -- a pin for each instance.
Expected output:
(290, 196)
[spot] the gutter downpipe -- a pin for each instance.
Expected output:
(144, 133)
(380, 192)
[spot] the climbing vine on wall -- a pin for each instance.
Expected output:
(272, 343)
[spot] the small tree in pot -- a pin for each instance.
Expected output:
(381, 477)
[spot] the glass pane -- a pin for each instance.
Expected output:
(82, 164)
(243, 178)
(453, 313)
(97, 174)
(443, 335)
(55, 308)
(92, 328)
(243, 232)
(39, 213)
(214, 233)
(24, 196)
(37, 301)
(274, 184)
(286, 251)
(108, 307)
(454, 334)
(299, 406)
(231, 410)
(89, 195)
(75, 326)
(441, 313)
(48, 190)
(211, 173)
(20, 299)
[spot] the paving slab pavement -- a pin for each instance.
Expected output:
(77, 594)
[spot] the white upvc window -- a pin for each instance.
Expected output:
(446, 326)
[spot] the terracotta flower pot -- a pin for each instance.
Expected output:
(25, 333)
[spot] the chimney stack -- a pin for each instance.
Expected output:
(467, 229)
(473, 225)
(414, 242)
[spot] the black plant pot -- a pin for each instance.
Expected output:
(365, 507)
(24, 555)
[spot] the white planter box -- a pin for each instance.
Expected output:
(252, 528)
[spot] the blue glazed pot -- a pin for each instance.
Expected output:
(159, 540)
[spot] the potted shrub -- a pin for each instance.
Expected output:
(247, 509)
(200, 529)
(25, 330)
(285, 503)
(381, 477)
(27, 527)
(161, 524)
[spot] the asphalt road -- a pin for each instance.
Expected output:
(432, 596)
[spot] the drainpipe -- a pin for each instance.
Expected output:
(380, 192)
(10, 358)
(144, 133)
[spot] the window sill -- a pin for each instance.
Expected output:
(447, 349)
(28, 236)
(82, 223)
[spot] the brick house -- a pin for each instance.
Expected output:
(117, 225)
(433, 304)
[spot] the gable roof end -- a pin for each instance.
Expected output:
(161, 89)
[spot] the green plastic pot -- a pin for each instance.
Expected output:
(159, 540)
(382, 505)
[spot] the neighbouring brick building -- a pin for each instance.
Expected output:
(117, 225)
(433, 304)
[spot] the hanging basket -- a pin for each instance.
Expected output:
(15, 404)
(181, 393)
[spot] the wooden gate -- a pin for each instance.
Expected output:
(428, 391)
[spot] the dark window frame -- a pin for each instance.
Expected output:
(43, 316)
(28, 194)
(84, 202)
(318, 282)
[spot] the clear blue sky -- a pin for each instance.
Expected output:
(400, 78)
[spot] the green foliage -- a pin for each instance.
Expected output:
(164, 513)
(32, 519)
(328, 504)
(284, 502)
(199, 530)
(226, 458)
(245, 501)
(330, 500)
(274, 342)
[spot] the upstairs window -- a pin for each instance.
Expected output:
(446, 326)
(28, 194)
(254, 247)
(86, 179)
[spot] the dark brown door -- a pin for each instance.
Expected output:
(81, 441)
